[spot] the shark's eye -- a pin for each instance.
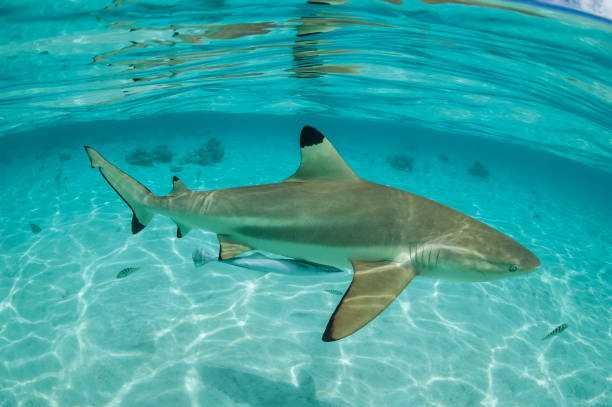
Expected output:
(513, 268)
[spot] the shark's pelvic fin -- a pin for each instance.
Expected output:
(178, 187)
(320, 160)
(375, 285)
(230, 249)
(131, 191)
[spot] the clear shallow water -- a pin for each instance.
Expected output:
(71, 334)
(509, 71)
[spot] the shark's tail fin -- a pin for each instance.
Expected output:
(131, 191)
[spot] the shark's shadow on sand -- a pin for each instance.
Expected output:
(254, 390)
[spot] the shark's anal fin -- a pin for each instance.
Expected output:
(320, 161)
(230, 249)
(375, 285)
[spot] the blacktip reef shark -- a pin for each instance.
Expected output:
(325, 214)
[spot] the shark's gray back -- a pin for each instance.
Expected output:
(357, 213)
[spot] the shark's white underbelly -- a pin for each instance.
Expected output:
(449, 274)
(340, 257)
(421, 255)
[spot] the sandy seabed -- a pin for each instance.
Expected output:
(72, 334)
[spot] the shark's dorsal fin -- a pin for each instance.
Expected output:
(375, 285)
(320, 160)
(229, 249)
(178, 187)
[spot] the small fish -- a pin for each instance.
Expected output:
(35, 228)
(335, 292)
(199, 257)
(58, 175)
(557, 330)
(127, 271)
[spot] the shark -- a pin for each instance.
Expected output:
(326, 214)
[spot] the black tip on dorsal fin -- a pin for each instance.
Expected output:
(177, 187)
(178, 230)
(320, 160)
(310, 137)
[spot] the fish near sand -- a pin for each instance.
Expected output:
(324, 213)
(261, 262)
(127, 271)
(35, 228)
(556, 331)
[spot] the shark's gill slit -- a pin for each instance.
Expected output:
(423, 248)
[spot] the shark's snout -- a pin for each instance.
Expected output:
(530, 262)
(523, 260)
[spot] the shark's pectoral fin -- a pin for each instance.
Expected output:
(229, 248)
(320, 161)
(375, 285)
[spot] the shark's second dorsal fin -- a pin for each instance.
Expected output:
(178, 187)
(320, 160)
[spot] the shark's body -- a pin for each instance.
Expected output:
(325, 214)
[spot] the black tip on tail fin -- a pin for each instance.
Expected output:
(179, 234)
(136, 225)
(175, 178)
(310, 137)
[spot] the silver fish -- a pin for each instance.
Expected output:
(261, 262)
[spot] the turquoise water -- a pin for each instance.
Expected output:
(523, 90)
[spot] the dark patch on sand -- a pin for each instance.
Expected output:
(400, 162)
(478, 170)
